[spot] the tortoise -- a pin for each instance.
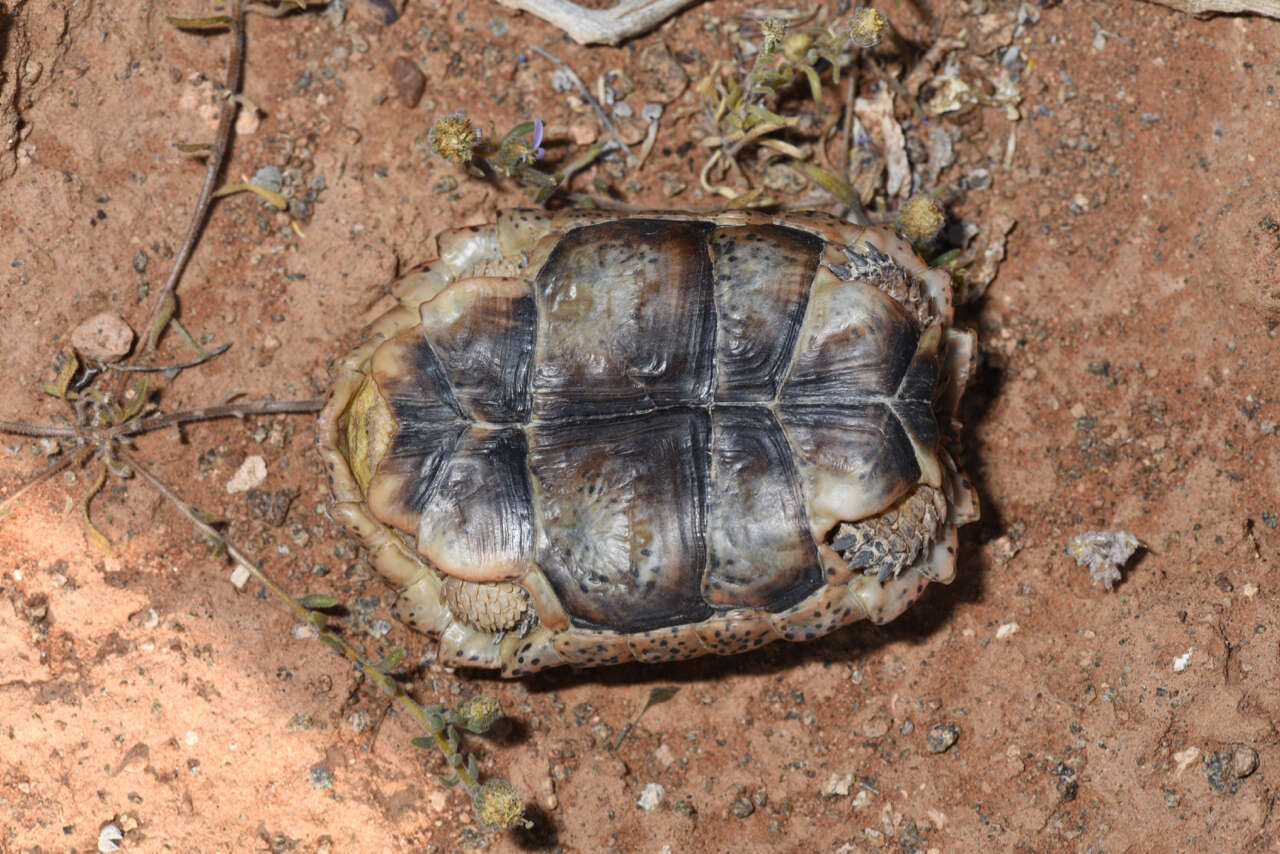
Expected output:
(585, 437)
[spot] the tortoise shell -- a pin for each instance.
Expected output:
(585, 438)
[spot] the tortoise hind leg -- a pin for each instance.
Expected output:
(886, 544)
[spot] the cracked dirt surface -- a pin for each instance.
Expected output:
(1128, 382)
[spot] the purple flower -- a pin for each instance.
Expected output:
(537, 150)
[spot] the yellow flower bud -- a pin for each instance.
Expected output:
(867, 27)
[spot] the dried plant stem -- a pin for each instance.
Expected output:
(587, 96)
(221, 410)
(199, 360)
(1210, 7)
(63, 462)
(436, 720)
(39, 431)
(217, 159)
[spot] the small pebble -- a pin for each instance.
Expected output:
(252, 472)
(109, 838)
(941, 737)
(104, 337)
(1245, 761)
(409, 79)
(742, 807)
(321, 777)
(837, 786)
(650, 796)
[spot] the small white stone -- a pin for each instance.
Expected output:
(1186, 757)
(1006, 630)
(240, 577)
(251, 474)
(1183, 661)
(650, 796)
(109, 837)
(192, 738)
(665, 756)
(837, 786)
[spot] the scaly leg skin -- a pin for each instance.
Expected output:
(886, 544)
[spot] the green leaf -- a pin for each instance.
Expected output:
(318, 601)
(449, 782)
(392, 660)
(827, 181)
(66, 373)
(424, 742)
(213, 22)
(660, 695)
(271, 197)
(333, 642)
(815, 84)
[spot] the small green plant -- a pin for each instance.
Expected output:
(456, 139)
(744, 114)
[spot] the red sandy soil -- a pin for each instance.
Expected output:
(1128, 382)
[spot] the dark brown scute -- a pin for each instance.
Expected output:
(762, 276)
(429, 420)
(866, 440)
(628, 319)
(622, 505)
(486, 351)
(868, 357)
(477, 520)
(761, 552)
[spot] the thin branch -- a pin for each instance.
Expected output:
(39, 431)
(63, 462)
(199, 360)
(221, 410)
(217, 159)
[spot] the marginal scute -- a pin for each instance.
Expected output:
(592, 647)
(673, 643)
(736, 631)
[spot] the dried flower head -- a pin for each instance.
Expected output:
(498, 805)
(867, 27)
(478, 713)
(772, 31)
(454, 138)
(921, 218)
